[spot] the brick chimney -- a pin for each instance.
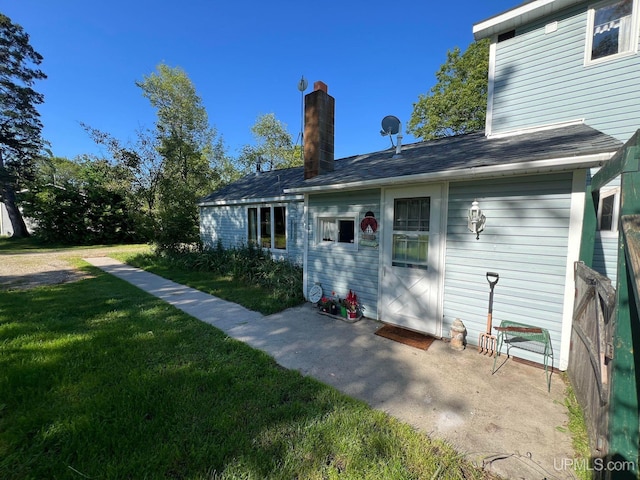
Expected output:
(319, 113)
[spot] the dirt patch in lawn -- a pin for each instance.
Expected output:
(19, 271)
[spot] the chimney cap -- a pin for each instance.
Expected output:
(320, 85)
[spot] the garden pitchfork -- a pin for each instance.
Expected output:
(488, 343)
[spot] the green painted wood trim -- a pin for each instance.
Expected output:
(589, 227)
(624, 428)
(627, 159)
(631, 231)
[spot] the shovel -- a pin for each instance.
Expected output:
(488, 343)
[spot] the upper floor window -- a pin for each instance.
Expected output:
(611, 29)
(267, 227)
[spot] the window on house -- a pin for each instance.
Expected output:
(267, 227)
(410, 241)
(608, 211)
(611, 29)
(252, 222)
(336, 230)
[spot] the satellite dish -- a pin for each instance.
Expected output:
(390, 125)
(303, 84)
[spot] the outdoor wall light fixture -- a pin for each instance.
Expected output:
(476, 219)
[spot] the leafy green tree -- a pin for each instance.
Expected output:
(193, 154)
(55, 171)
(274, 148)
(457, 103)
(20, 125)
(86, 205)
(141, 159)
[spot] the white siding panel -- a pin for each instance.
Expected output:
(525, 241)
(338, 268)
(541, 79)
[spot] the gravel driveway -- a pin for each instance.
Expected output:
(31, 269)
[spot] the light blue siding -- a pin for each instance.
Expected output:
(228, 224)
(542, 79)
(605, 252)
(525, 241)
(605, 256)
(336, 267)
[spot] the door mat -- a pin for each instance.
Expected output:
(408, 337)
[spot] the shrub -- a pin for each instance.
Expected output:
(249, 264)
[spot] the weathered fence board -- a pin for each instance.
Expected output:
(592, 350)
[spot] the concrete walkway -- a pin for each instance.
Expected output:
(507, 422)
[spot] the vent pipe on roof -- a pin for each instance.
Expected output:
(398, 145)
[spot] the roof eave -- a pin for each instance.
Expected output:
(247, 201)
(520, 168)
(526, 13)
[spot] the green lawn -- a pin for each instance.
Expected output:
(100, 380)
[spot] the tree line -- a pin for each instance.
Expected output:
(147, 189)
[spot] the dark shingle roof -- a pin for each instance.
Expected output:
(456, 153)
(259, 185)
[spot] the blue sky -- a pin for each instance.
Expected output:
(245, 58)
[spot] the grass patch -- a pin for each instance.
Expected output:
(578, 430)
(101, 380)
(20, 245)
(12, 245)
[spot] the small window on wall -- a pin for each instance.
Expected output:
(611, 29)
(608, 211)
(336, 230)
(267, 227)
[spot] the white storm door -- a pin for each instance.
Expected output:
(411, 270)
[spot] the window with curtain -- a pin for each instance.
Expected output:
(611, 29)
(336, 230)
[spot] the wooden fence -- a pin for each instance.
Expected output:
(592, 351)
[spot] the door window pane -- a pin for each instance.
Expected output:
(412, 214)
(410, 251)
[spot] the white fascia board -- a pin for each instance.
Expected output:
(246, 201)
(526, 13)
(562, 164)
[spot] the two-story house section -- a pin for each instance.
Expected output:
(559, 61)
(555, 62)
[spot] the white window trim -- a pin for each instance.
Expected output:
(589, 34)
(606, 193)
(336, 244)
(273, 226)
